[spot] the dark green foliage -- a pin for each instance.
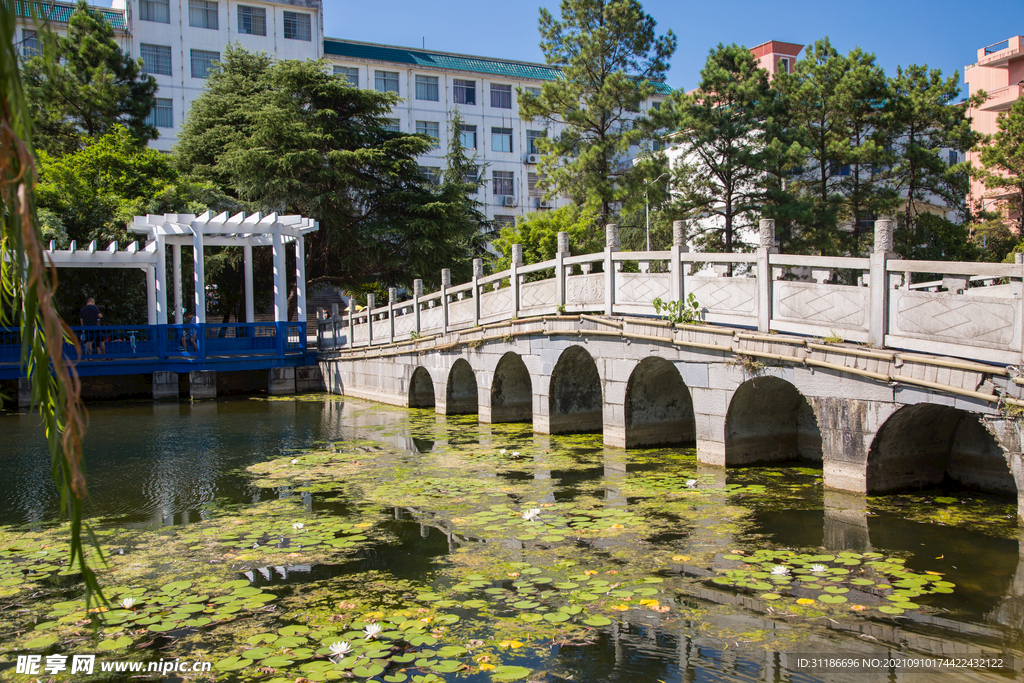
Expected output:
(83, 85)
(1003, 161)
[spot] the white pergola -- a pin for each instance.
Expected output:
(222, 230)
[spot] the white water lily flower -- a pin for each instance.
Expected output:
(515, 454)
(690, 483)
(818, 568)
(340, 649)
(531, 514)
(503, 451)
(779, 570)
(295, 461)
(128, 603)
(372, 631)
(298, 525)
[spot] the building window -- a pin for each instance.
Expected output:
(392, 125)
(534, 184)
(252, 20)
(533, 91)
(162, 115)
(29, 43)
(656, 106)
(954, 157)
(468, 136)
(426, 88)
(783, 65)
(501, 96)
(503, 222)
(531, 140)
(472, 175)
(202, 62)
(501, 139)
(465, 91)
(203, 14)
(386, 81)
(431, 174)
(298, 26)
(503, 182)
(155, 10)
(430, 129)
(156, 59)
(349, 73)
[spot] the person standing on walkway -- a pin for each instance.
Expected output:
(191, 332)
(89, 316)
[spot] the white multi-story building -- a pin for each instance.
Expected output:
(179, 40)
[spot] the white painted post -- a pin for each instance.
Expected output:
(371, 302)
(392, 295)
(879, 313)
(678, 289)
(250, 304)
(611, 245)
(351, 321)
(280, 279)
(160, 277)
(417, 292)
(446, 282)
(176, 275)
(151, 298)
(766, 246)
(199, 272)
(560, 254)
(513, 280)
(478, 272)
(300, 278)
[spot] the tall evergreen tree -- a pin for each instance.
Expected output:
(83, 85)
(609, 55)
(1002, 161)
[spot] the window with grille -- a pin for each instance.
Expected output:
(203, 14)
(155, 10)
(426, 88)
(468, 136)
(430, 129)
(501, 96)
(349, 73)
(298, 26)
(393, 125)
(535, 184)
(252, 20)
(162, 114)
(503, 182)
(531, 140)
(202, 62)
(385, 81)
(465, 91)
(431, 174)
(29, 43)
(472, 175)
(156, 59)
(503, 222)
(501, 139)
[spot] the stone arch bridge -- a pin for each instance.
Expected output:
(751, 387)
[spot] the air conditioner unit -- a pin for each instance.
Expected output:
(533, 158)
(508, 200)
(543, 204)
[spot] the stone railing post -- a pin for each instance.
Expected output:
(765, 247)
(513, 279)
(478, 272)
(417, 292)
(446, 282)
(879, 283)
(611, 245)
(334, 326)
(351, 321)
(678, 287)
(392, 298)
(371, 301)
(560, 254)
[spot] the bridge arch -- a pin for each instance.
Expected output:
(575, 398)
(461, 393)
(421, 389)
(928, 445)
(769, 420)
(511, 390)
(658, 407)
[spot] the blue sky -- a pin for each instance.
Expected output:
(940, 33)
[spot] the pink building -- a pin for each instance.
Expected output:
(999, 71)
(776, 56)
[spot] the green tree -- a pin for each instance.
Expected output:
(610, 58)
(304, 141)
(1002, 160)
(720, 134)
(83, 85)
(538, 234)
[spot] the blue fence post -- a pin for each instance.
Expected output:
(160, 338)
(201, 342)
(281, 337)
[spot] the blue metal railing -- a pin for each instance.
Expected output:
(172, 342)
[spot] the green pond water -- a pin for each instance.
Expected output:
(320, 538)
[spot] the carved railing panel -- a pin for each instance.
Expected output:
(835, 307)
(537, 295)
(584, 291)
(496, 305)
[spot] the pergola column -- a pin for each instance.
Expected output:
(152, 307)
(250, 305)
(300, 278)
(160, 277)
(176, 274)
(200, 275)
(280, 279)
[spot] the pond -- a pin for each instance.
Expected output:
(320, 537)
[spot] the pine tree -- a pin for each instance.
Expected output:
(1002, 160)
(83, 85)
(610, 57)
